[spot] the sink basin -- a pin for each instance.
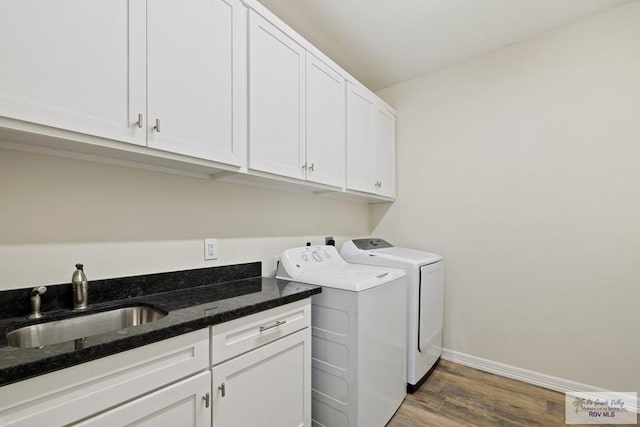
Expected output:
(81, 326)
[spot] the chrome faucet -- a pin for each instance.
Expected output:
(80, 288)
(35, 301)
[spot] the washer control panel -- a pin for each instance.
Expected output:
(311, 258)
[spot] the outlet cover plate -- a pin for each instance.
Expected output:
(210, 249)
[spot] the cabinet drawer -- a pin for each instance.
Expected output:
(70, 394)
(238, 336)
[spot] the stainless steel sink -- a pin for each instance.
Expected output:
(86, 325)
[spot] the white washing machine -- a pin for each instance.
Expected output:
(425, 297)
(358, 346)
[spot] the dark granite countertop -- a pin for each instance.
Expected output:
(194, 299)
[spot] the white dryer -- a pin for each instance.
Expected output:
(425, 297)
(358, 347)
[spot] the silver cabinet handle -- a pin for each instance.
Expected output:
(304, 167)
(157, 126)
(139, 122)
(311, 167)
(275, 325)
(206, 398)
(222, 389)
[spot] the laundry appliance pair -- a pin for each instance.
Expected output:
(371, 339)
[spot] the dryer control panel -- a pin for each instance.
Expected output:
(371, 243)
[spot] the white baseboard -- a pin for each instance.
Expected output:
(531, 377)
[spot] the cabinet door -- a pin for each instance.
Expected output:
(325, 124)
(75, 65)
(276, 100)
(384, 142)
(195, 78)
(267, 387)
(184, 404)
(360, 151)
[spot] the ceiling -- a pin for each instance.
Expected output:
(385, 42)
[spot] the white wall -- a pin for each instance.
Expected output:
(522, 167)
(120, 221)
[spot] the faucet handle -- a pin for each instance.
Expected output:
(36, 302)
(38, 290)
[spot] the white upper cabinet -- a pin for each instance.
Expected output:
(325, 124)
(67, 64)
(153, 73)
(359, 140)
(370, 144)
(204, 86)
(276, 100)
(384, 159)
(296, 109)
(195, 73)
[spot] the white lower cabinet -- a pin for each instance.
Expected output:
(261, 376)
(184, 404)
(265, 387)
(71, 395)
(270, 384)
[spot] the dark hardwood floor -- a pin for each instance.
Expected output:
(455, 395)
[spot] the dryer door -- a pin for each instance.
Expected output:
(431, 307)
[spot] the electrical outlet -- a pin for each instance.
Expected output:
(210, 249)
